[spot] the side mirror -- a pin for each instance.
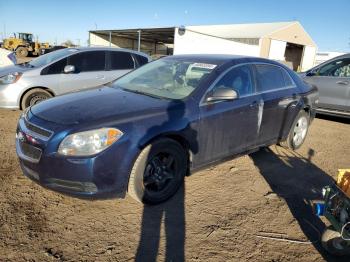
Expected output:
(68, 69)
(312, 73)
(222, 94)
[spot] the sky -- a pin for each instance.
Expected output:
(327, 22)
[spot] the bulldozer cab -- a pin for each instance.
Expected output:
(25, 37)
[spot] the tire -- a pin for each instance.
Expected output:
(33, 97)
(21, 52)
(334, 244)
(298, 131)
(158, 172)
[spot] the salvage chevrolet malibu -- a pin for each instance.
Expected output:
(143, 133)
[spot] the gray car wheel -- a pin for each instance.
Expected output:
(34, 96)
(298, 132)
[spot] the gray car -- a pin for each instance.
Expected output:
(64, 71)
(332, 78)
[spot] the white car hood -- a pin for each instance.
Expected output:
(13, 68)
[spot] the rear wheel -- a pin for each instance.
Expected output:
(21, 52)
(158, 172)
(298, 132)
(334, 243)
(34, 96)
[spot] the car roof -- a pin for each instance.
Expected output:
(208, 58)
(103, 48)
(221, 59)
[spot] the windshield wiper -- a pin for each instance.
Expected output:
(142, 93)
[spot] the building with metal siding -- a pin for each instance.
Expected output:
(287, 42)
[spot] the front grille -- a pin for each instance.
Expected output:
(37, 130)
(30, 152)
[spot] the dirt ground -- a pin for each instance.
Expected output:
(217, 216)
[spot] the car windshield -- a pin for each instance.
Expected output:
(165, 78)
(50, 57)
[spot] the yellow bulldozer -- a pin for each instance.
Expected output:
(24, 45)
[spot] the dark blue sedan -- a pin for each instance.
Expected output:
(143, 133)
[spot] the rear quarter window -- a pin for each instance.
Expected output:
(142, 60)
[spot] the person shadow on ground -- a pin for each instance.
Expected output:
(171, 212)
(299, 182)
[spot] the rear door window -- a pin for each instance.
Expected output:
(272, 77)
(88, 61)
(121, 60)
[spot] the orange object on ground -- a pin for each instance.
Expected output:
(343, 180)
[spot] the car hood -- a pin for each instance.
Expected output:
(12, 69)
(100, 104)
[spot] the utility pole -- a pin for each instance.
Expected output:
(139, 41)
(110, 38)
(4, 31)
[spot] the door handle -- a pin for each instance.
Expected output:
(100, 77)
(342, 82)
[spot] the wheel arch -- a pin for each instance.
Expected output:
(290, 118)
(31, 88)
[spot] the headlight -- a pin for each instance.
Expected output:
(89, 142)
(10, 78)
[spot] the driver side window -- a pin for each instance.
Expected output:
(238, 79)
(339, 68)
(55, 68)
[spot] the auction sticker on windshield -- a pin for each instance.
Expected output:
(203, 65)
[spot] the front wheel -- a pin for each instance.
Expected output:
(158, 172)
(33, 97)
(22, 51)
(298, 132)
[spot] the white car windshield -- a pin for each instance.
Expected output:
(166, 78)
(51, 57)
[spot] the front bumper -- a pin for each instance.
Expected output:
(10, 94)
(102, 176)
